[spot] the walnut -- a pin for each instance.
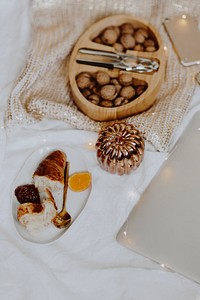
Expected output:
(118, 47)
(137, 82)
(106, 103)
(127, 41)
(126, 37)
(109, 36)
(149, 42)
(139, 38)
(97, 90)
(108, 92)
(116, 83)
(118, 88)
(102, 78)
(139, 47)
(84, 80)
(95, 99)
(127, 28)
(140, 89)
(125, 79)
(143, 32)
(127, 92)
(98, 40)
(116, 29)
(86, 92)
(150, 49)
(85, 74)
(120, 101)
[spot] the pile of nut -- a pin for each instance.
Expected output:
(101, 89)
(125, 37)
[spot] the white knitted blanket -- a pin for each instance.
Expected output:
(42, 89)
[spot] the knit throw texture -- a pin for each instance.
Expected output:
(43, 91)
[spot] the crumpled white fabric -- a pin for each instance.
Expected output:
(15, 35)
(2, 139)
(86, 262)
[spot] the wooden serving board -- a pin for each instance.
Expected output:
(153, 80)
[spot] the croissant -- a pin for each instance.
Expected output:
(50, 172)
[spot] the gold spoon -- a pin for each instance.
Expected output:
(63, 218)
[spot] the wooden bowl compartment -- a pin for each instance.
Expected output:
(90, 88)
(136, 25)
(153, 81)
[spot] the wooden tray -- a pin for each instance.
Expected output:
(153, 80)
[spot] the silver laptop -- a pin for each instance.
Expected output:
(165, 223)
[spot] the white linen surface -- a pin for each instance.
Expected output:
(86, 262)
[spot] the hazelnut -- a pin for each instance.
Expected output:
(127, 92)
(108, 92)
(127, 28)
(102, 78)
(125, 79)
(127, 41)
(106, 103)
(109, 36)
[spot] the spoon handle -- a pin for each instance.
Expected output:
(66, 176)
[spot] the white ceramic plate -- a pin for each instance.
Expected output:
(75, 200)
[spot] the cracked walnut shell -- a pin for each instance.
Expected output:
(120, 148)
